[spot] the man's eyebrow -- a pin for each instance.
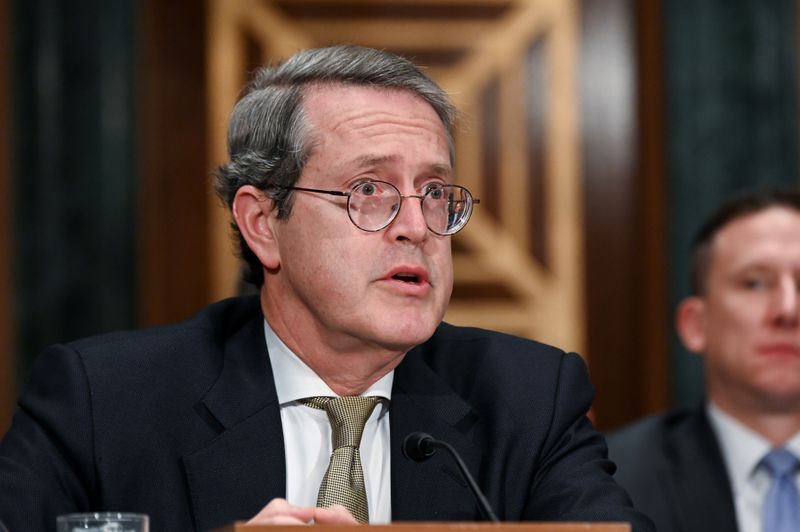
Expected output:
(366, 161)
(751, 266)
(441, 169)
(374, 160)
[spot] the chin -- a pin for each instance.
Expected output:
(780, 393)
(405, 333)
(782, 402)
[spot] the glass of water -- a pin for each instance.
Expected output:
(103, 522)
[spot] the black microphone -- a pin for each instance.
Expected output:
(419, 446)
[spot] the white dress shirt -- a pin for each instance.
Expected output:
(307, 432)
(742, 450)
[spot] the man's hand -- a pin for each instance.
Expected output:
(280, 512)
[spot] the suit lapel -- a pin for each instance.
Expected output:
(434, 489)
(698, 478)
(243, 468)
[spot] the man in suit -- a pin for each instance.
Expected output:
(704, 468)
(340, 186)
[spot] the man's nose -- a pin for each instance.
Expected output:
(786, 301)
(410, 222)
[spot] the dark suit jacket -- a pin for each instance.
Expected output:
(672, 467)
(182, 423)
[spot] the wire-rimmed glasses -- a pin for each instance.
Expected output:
(373, 205)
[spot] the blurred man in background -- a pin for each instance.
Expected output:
(731, 464)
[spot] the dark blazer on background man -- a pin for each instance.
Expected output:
(672, 467)
(182, 422)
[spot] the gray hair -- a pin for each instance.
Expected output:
(269, 141)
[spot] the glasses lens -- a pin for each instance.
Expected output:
(372, 205)
(447, 208)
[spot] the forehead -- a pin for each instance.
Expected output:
(394, 133)
(767, 237)
(353, 109)
(343, 95)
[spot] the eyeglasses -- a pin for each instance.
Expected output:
(373, 205)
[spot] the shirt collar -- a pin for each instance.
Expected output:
(742, 448)
(294, 380)
(794, 444)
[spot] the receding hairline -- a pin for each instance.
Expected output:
(313, 87)
(737, 208)
(310, 89)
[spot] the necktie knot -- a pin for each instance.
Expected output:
(781, 462)
(347, 416)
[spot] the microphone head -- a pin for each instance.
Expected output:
(418, 446)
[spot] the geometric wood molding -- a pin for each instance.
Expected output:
(510, 68)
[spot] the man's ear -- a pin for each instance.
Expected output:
(255, 215)
(690, 320)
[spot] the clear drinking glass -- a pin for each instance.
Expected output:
(103, 522)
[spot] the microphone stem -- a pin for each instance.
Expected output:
(483, 504)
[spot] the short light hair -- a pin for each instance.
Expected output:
(269, 141)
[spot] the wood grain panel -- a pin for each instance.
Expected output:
(625, 203)
(479, 53)
(173, 207)
(656, 318)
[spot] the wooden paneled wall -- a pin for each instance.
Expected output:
(623, 176)
(174, 172)
(617, 209)
(587, 218)
(510, 67)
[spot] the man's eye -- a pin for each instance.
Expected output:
(368, 189)
(434, 190)
(754, 283)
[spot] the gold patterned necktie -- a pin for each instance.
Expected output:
(343, 483)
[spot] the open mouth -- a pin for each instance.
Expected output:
(406, 278)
